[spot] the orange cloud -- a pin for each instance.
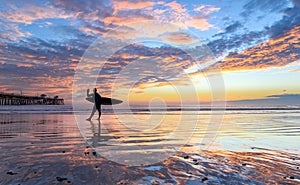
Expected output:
(295, 70)
(176, 7)
(273, 53)
(199, 23)
(178, 38)
(25, 65)
(119, 5)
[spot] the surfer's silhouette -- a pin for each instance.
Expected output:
(97, 102)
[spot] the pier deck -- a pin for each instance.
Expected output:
(15, 99)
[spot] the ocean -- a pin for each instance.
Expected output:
(56, 145)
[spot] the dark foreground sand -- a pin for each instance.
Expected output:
(44, 149)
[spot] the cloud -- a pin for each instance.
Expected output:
(172, 12)
(86, 10)
(31, 62)
(12, 32)
(92, 30)
(264, 6)
(177, 14)
(35, 78)
(136, 62)
(295, 70)
(273, 53)
(96, 18)
(126, 17)
(86, 20)
(206, 9)
(288, 9)
(232, 42)
(176, 7)
(199, 23)
(290, 19)
(233, 27)
(121, 5)
(178, 38)
(88, 15)
(149, 82)
(39, 51)
(29, 13)
(34, 64)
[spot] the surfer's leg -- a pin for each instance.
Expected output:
(99, 111)
(92, 113)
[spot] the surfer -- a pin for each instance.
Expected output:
(97, 102)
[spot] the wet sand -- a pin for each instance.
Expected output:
(48, 149)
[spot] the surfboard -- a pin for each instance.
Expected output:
(105, 100)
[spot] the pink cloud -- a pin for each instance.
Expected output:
(29, 13)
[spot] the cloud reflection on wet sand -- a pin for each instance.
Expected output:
(48, 149)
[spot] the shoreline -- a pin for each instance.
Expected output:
(108, 109)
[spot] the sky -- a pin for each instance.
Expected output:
(170, 49)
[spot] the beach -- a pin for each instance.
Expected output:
(251, 147)
(188, 92)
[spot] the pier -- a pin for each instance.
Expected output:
(15, 99)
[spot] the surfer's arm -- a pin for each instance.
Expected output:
(88, 92)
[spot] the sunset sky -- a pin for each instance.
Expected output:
(256, 45)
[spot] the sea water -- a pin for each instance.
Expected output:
(250, 145)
